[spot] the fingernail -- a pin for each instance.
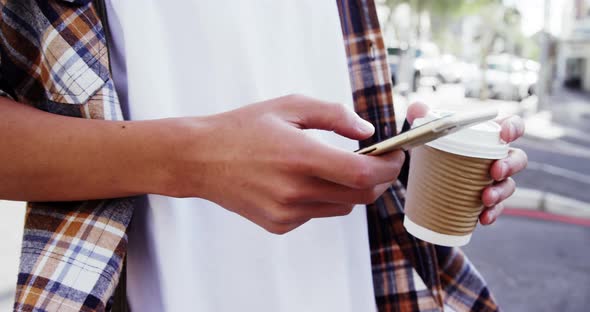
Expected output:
(492, 219)
(512, 131)
(503, 170)
(365, 126)
(495, 197)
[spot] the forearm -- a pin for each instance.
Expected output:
(46, 157)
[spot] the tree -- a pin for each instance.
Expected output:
(498, 21)
(438, 8)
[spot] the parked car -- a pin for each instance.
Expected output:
(508, 78)
(451, 69)
(424, 68)
(393, 59)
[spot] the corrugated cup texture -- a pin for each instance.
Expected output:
(444, 190)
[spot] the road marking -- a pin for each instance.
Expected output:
(558, 171)
(556, 147)
(577, 134)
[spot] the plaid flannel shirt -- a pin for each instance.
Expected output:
(53, 56)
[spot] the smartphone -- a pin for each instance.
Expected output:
(444, 123)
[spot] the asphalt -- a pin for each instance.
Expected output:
(571, 179)
(560, 165)
(533, 265)
(571, 108)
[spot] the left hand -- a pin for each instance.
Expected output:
(501, 170)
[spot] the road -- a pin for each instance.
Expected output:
(534, 265)
(557, 143)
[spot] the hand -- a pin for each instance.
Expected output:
(501, 170)
(258, 162)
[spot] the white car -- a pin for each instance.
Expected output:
(508, 78)
(451, 69)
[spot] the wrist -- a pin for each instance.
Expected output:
(177, 156)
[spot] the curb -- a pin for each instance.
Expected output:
(546, 216)
(531, 199)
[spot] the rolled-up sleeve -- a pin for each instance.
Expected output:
(4, 89)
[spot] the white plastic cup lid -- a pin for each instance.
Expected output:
(480, 140)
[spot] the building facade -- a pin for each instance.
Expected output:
(574, 46)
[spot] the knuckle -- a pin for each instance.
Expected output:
(340, 107)
(277, 229)
(518, 125)
(281, 215)
(345, 210)
(362, 176)
(400, 158)
(297, 164)
(294, 97)
(517, 160)
(397, 163)
(294, 101)
(368, 197)
(338, 110)
(289, 194)
(511, 184)
(375, 194)
(524, 156)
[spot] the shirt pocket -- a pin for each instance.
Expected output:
(74, 58)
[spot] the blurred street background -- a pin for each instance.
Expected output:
(525, 57)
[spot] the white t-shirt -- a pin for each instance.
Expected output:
(199, 57)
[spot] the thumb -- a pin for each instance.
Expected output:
(416, 110)
(309, 113)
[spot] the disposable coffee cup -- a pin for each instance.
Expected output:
(446, 180)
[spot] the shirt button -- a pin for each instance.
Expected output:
(372, 51)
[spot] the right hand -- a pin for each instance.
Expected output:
(258, 162)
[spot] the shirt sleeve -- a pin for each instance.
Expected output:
(4, 89)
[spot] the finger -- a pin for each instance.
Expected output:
(490, 215)
(269, 225)
(495, 194)
(322, 210)
(353, 170)
(515, 162)
(316, 190)
(416, 110)
(512, 128)
(280, 229)
(309, 113)
(299, 213)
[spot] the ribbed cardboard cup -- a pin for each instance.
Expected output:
(447, 177)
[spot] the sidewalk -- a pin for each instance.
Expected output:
(534, 199)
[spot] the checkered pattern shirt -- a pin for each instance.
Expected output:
(53, 56)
